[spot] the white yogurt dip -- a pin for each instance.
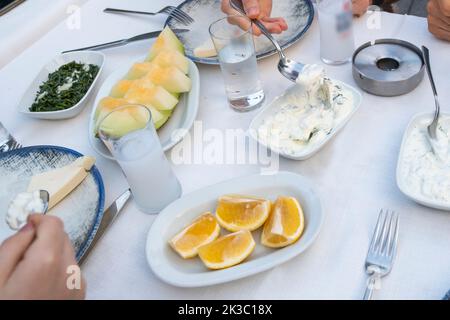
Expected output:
(22, 206)
(304, 119)
(424, 172)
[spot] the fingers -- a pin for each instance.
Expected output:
(252, 8)
(438, 23)
(274, 25)
(444, 5)
(360, 7)
(13, 249)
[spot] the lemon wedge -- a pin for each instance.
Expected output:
(285, 224)
(235, 212)
(201, 231)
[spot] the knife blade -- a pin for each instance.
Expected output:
(118, 43)
(108, 218)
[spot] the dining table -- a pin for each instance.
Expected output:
(354, 174)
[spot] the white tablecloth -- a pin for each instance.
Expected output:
(354, 174)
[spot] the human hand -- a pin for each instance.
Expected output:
(34, 262)
(360, 6)
(439, 18)
(257, 9)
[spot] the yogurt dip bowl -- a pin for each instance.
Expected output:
(421, 176)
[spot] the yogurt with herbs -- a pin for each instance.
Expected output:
(307, 115)
(424, 172)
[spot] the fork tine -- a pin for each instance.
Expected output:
(181, 12)
(172, 13)
(384, 248)
(377, 232)
(393, 236)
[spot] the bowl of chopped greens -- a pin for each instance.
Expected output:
(63, 87)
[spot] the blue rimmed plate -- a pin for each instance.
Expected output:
(81, 210)
(299, 15)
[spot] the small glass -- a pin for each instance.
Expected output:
(337, 42)
(237, 57)
(130, 135)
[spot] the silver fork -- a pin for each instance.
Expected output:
(382, 250)
(7, 141)
(178, 14)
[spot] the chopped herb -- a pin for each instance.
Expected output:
(65, 87)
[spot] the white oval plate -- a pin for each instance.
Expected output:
(308, 152)
(90, 57)
(174, 130)
(171, 268)
(427, 117)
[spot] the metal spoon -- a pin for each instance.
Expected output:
(45, 197)
(287, 67)
(432, 128)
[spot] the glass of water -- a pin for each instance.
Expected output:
(130, 135)
(237, 57)
(337, 42)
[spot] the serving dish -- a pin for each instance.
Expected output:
(419, 198)
(173, 131)
(272, 107)
(89, 57)
(81, 211)
(299, 15)
(171, 268)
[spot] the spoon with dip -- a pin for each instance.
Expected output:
(432, 128)
(25, 204)
(297, 72)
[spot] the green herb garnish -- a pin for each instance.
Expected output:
(65, 87)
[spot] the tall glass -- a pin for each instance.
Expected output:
(337, 42)
(233, 40)
(130, 135)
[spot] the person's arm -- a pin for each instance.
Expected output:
(439, 18)
(35, 261)
(258, 9)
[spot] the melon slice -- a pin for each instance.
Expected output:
(121, 88)
(166, 40)
(148, 94)
(169, 58)
(122, 122)
(138, 70)
(172, 79)
(106, 106)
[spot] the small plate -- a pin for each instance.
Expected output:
(81, 210)
(173, 131)
(299, 15)
(427, 117)
(90, 57)
(171, 268)
(309, 152)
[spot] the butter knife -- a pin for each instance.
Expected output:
(118, 43)
(108, 218)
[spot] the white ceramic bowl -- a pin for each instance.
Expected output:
(90, 57)
(419, 198)
(171, 268)
(173, 131)
(271, 108)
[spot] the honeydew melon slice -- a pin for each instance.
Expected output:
(172, 79)
(172, 58)
(138, 70)
(166, 40)
(106, 106)
(122, 122)
(144, 92)
(121, 88)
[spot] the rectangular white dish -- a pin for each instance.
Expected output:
(402, 185)
(171, 268)
(272, 107)
(88, 57)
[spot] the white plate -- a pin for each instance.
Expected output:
(419, 198)
(271, 108)
(174, 130)
(171, 268)
(90, 57)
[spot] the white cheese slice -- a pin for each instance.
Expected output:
(206, 50)
(60, 182)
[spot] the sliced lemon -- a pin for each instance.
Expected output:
(285, 224)
(235, 212)
(227, 251)
(201, 231)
